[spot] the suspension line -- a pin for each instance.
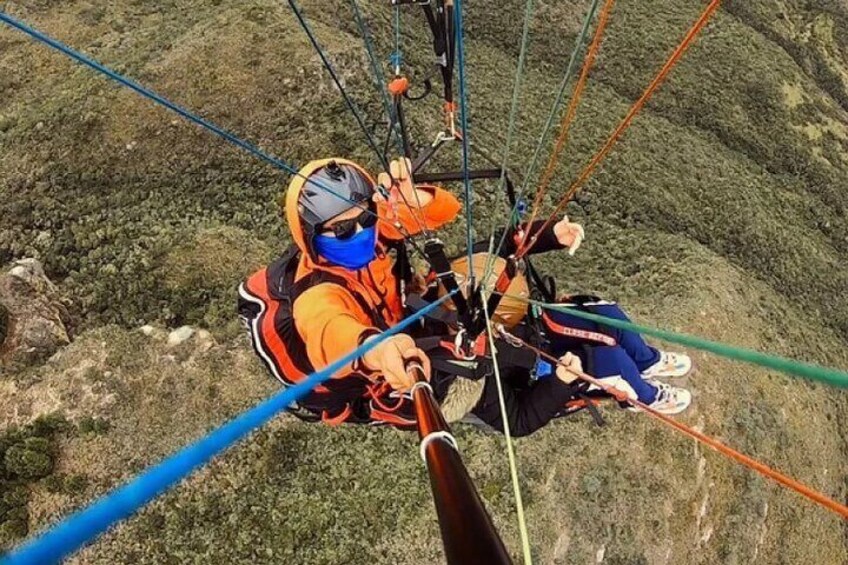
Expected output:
(578, 46)
(628, 119)
(379, 78)
(332, 72)
(710, 442)
(513, 464)
(553, 161)
(463, 105)
(188, 115)
(516, 92)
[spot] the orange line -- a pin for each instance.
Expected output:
(551, 167)
(749, 462)
(625, 123)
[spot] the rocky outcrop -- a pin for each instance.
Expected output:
(33, 316)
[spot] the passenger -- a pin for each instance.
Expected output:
(345, 280)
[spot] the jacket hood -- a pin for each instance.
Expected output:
(293, 192)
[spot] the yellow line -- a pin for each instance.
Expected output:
(513, 468)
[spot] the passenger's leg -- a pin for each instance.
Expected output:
(609, 363)
(527, 409)
(642, 354)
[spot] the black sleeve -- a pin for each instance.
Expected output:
(547, 241)
(528, 409)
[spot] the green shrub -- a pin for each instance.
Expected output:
(48, 425)
(32, 460)
(72, 485)
(27, 454)
(14, 527)
(14, 514)
(95, 426)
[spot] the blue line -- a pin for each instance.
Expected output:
(354, 109)
(238, 142)
(378, 74)
(463, 113)
(397, 56)
(379, 78)
(84, 526)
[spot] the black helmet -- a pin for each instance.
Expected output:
(328, 192)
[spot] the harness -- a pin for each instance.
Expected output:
(266, 305)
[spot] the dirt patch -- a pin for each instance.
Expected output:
(793, 95)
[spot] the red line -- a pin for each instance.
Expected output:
(572, 111)
(625, 123)
(741, 458)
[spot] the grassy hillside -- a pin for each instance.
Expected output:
(721, 213)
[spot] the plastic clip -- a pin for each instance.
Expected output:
(460, 344)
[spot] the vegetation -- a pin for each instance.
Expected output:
(26, 455)
(722, 212)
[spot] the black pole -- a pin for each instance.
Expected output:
(456, 176)
(401, 120)
(468, 534)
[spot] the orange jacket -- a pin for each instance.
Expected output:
(327, 316)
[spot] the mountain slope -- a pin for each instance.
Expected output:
(721, 213)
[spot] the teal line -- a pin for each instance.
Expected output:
(788, 366)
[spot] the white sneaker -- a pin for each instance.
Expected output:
(669, 365)
(671, 399)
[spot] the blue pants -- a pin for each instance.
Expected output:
(628, 357)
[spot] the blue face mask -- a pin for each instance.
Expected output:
(352, 253)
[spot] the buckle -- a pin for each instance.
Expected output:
(464, 350)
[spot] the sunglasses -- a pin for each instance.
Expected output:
(346, 229)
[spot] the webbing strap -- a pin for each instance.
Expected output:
(440, 48)
(416, 303)
(435, 252)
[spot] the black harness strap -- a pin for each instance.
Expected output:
(416, 303)
(593, 410)
(442, 28)
(456, 176)
(547, 288)
(586, 397)
(435, 251)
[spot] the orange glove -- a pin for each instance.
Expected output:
(390, 358)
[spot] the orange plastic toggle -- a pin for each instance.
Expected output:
(399, 86)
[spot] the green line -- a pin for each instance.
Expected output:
(513, 112)
(788, 366)
(579, 44)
